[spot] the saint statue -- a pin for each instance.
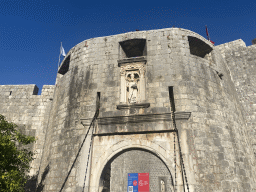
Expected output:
(162, 186)
(132, 79)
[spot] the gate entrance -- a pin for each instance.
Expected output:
(114, 177)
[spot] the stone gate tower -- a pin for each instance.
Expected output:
(137, 80)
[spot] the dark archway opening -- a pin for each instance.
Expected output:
(114, 176)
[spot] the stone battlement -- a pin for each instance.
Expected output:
(21, 105)
(25, 91)
(18, 90)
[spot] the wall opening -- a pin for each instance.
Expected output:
(10, 92)
(171, 97)
(133, 48)
(114, 176)
(198, 47)
(65, 66)
(105, 179)
(35, 91)
(254, 41)
(98, 101)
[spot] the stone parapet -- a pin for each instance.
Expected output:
(22, 105)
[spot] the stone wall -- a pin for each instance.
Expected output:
(21, 105)
(215, 145)
(214, 140)
(241, 63)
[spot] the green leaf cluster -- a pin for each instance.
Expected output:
(14, 160)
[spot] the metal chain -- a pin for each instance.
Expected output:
(184, 170)
(88, 159)
(93, 125)
(181, 158)
(182, 164)
(174, 163)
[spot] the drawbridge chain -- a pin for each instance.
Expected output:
(89, 152)
(183, 171)
(92, 125)
(175, 175)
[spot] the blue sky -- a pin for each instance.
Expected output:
(31, 30)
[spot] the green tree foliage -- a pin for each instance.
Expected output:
(14, 160)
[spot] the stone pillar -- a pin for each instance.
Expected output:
(123, 86)
(142, 84)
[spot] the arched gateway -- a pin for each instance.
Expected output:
(116, 172)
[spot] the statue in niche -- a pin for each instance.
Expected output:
(132, 79)
(162, 186)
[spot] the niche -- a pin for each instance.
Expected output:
(162, 184)
(199, 48)
(132, 48)
(132, 83)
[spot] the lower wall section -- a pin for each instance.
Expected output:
(21, 105)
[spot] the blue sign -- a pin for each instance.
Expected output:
(132, 182)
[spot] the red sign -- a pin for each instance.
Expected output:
(143, 180)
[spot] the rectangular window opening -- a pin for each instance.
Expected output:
(198, 47)
(133, 48)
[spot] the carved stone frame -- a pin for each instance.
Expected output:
(133, 66)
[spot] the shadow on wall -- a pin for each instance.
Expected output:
(31, 184)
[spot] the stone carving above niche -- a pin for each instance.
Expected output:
(132, 82)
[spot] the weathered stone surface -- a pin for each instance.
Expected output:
(217, 141)
(21, 104)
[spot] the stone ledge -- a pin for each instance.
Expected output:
(182, 115)
(135, 105)
(135, 132)
(132, 60)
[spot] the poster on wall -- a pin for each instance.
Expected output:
(138, 182)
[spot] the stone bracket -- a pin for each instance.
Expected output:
(135, 105)
(132, 60)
